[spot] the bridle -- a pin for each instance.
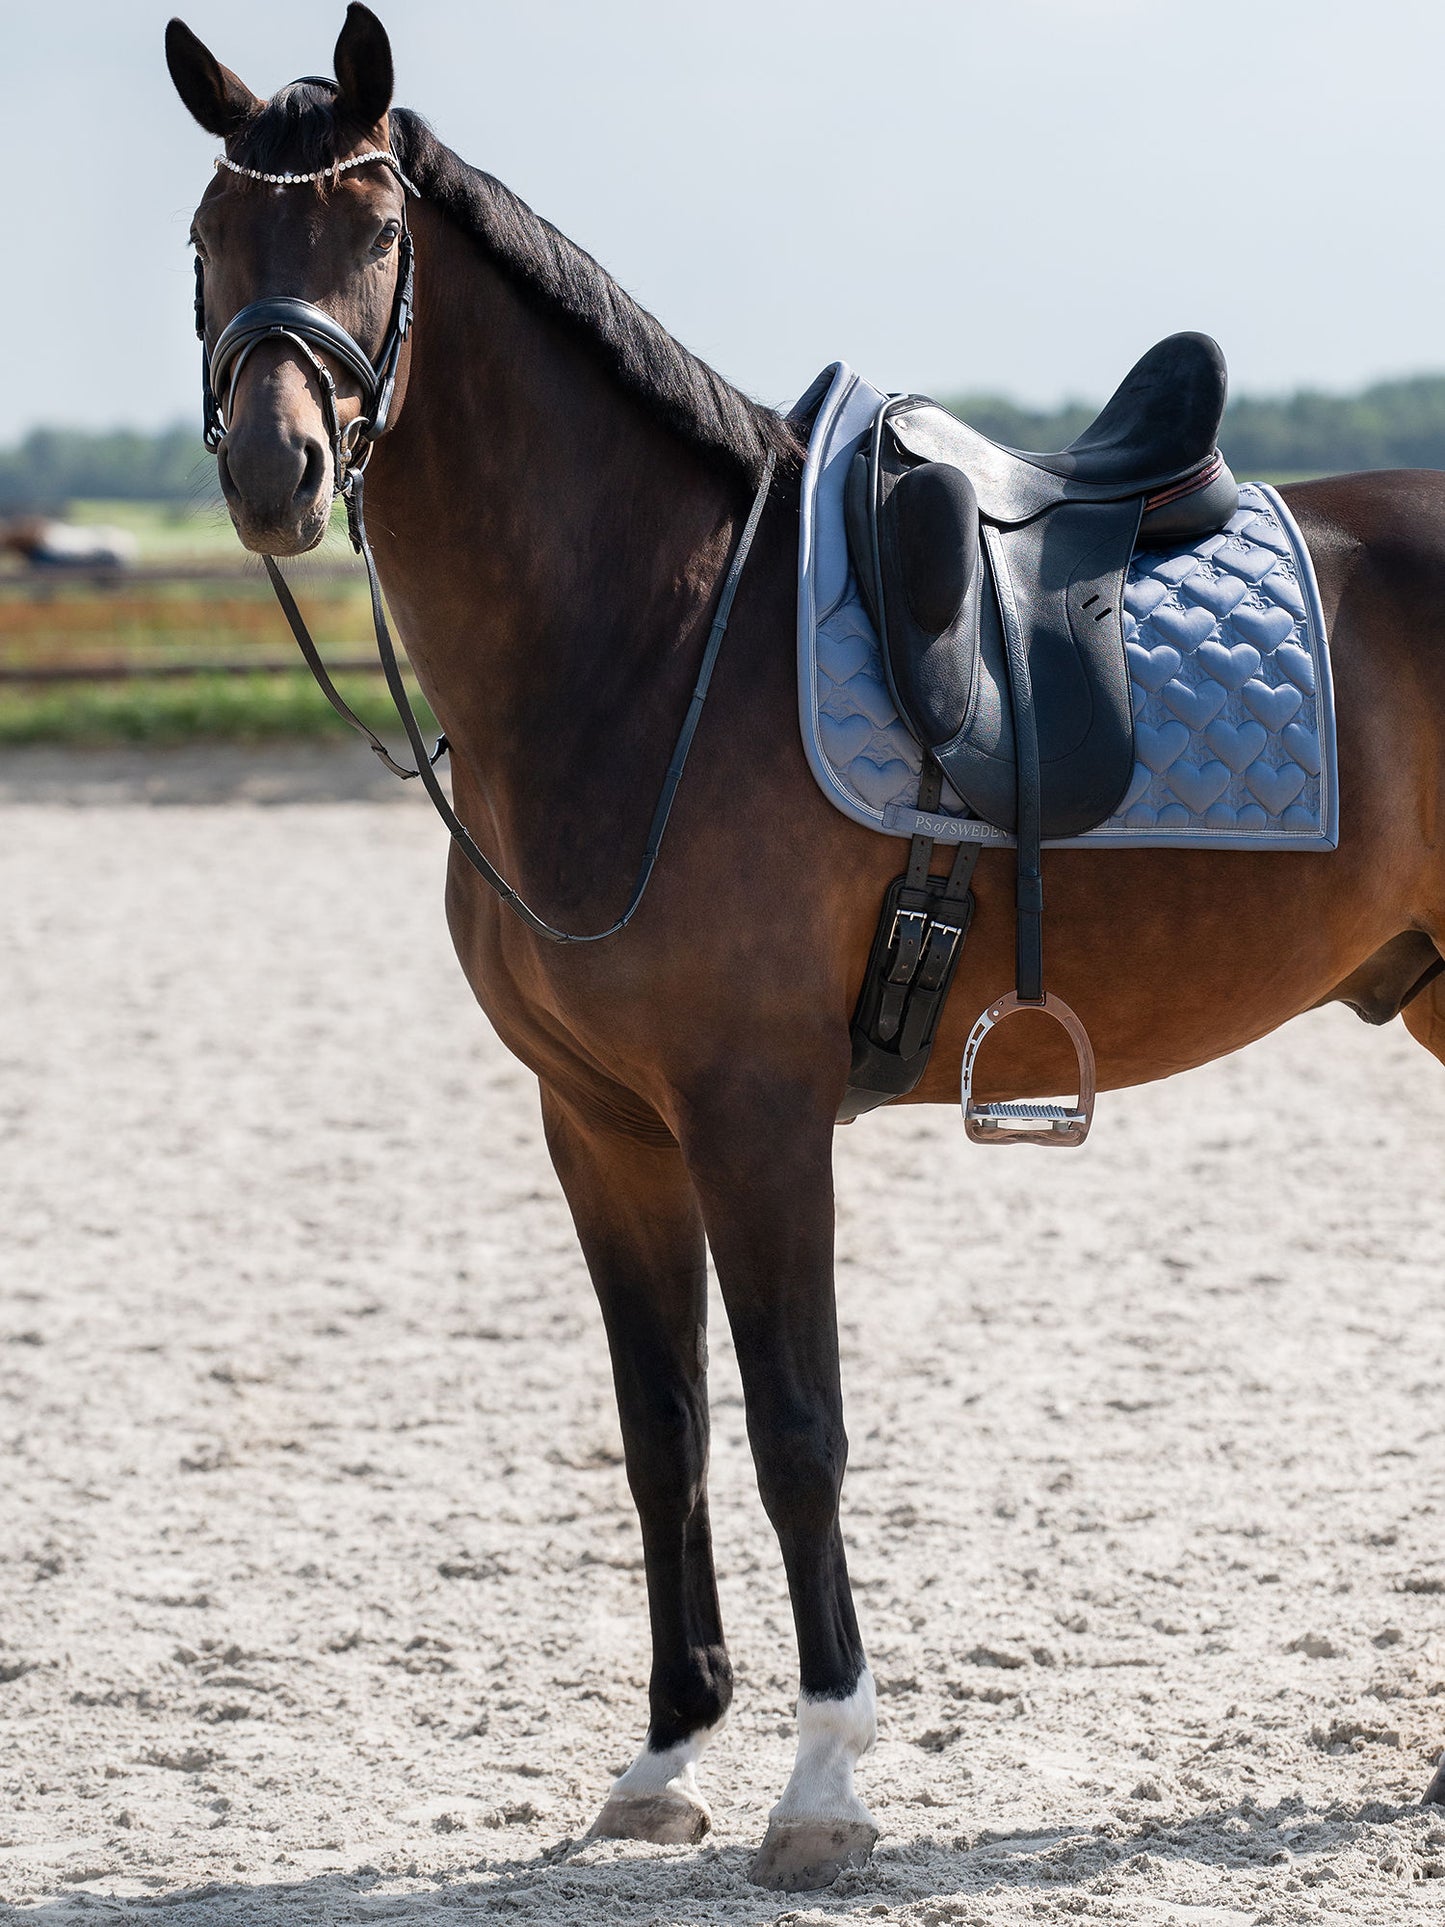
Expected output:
(315, 334)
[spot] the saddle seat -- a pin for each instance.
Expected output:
(1154, 437)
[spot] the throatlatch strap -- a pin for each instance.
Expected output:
(355, 484)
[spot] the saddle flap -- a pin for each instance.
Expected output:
(1065, 585)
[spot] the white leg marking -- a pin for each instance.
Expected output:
(674, 1770)
(657, 1798)
(832, 1736)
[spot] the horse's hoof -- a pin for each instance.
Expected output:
(1434, 1794)
(671, 1819)
(799, 1855)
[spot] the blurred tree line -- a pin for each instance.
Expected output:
(53, 466)
(1394, 424)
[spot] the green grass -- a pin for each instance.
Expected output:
(248, 708)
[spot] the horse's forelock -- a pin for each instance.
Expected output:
(300, 130)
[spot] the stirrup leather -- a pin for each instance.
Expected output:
(1059, 1123)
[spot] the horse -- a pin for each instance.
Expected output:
(557, 504)
(45, 542)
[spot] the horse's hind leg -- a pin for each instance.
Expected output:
(764, 1176)
(638, 1223)
(1425, 1017)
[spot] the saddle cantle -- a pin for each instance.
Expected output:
(995, 580)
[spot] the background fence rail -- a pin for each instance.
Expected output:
(180, 648)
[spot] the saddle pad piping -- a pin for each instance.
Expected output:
(825, 577)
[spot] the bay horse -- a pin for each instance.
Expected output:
(556, 504)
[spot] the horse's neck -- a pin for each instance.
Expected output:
(549, 551)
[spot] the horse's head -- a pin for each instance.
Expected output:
(303, 284)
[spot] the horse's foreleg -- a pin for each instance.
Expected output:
(765, 1180)
(641, 1234)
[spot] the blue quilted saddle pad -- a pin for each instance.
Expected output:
(1234, 727)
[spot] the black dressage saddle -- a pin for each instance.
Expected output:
(995, 579)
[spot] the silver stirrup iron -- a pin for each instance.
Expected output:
(1059, 1123)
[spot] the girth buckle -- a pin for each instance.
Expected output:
(1059, 1123)
(905, 944)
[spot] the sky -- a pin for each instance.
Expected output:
(1007, 195)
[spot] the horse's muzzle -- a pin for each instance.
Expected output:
(277, 487)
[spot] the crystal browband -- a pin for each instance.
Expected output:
(323, 173)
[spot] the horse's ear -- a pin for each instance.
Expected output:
(363, 66)
(219, 101)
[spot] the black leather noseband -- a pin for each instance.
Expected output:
(287, 317)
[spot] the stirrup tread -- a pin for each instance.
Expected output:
(1029, 1109)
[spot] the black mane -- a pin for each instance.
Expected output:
(301, 129)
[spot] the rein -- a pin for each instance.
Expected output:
(352, 491)
(315, 333)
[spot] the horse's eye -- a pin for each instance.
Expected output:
(387, 237)
(199, 245)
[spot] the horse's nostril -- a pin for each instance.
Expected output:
(314, 473)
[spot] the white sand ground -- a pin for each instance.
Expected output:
(320, 1595)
